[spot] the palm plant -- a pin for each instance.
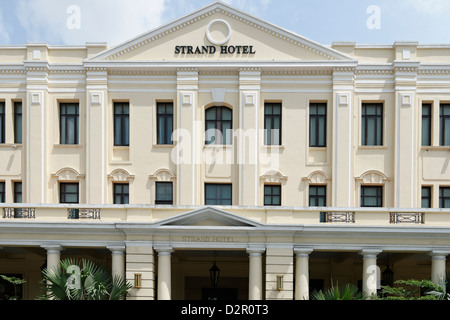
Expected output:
(83, 280)
(348, 292)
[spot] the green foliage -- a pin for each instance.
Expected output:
(83, 280)
(348, 292)
(411, 290)
(15, 282)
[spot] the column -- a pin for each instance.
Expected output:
(53, 256)
(164, 274)
(140, 260)
(343, 133)
(118, 261)
(249, 144)
(302, 273)
(438, 267)
(406, 142)
(255, 284)
(371, 273)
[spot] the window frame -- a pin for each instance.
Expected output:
(427, 118)
(18, 118)
(2, 192)
(124, 120)
(364, 124)
(271, 194)
(163, 202)
(168, 118)
(442, 127)
(2, 122)
(65, 118)
(316, 196)
(442, 198)
(63, 193)
(379, 196)
(217, 192)
(428, 198)
(316, 117)
(16, 184)
(121, 194)
(218, 125)
(272, 117)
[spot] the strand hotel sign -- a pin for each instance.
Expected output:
(218, 26)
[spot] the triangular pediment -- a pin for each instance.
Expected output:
(203, 35)
(209, 217)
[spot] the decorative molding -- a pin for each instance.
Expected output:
(373, 177)
(317, 177)
(407, 99)
(163, 175)
(68, 174)
(120, 175)
(218, 96)
(343, 99)
(274, 177)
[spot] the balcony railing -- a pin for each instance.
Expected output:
(408, 217)
(19, 213)
(337, 217)
(83, 214)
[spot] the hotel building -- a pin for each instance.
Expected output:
(223, 139)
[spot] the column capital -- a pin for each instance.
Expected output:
(370, 253)
(256, 252)
(303, 252)
(439, 255)
(117, 249)
(164, 251)
(52, 248)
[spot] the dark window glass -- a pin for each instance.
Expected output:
(272, 195)
(372, 124)
(164, 193)
(121, 124)
(69, 192)
(219, 126)
(2, 122)
(318, 125)
(218, 194)
(121, 193)
(69, 118)
(18, 122)
(426, 197)
(371, 196)
(2, 192)
(317, 196)
(165, 123)
(272, 124)
(17, 192)
(445, 125)
(426, 125)
(444, 197)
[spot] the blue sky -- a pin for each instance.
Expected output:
(76, 22)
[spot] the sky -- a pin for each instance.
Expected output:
(75, 22)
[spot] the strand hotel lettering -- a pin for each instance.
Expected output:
(214, 49)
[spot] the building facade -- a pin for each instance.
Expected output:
(221, 138)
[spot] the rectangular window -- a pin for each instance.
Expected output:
(372, 124)
(2, 192)
(272, 195)
(2, 122)
(426, 197)
(272, 124)
(69, 192)
(218, 194)
(17, 192)
(18, 122)
(69, 127)
(121, 193)
(318, 125)
(122, 124)
(371, 196)
(317, 196)
(445, 125)
(444, 197)
(164, 193)
(426, 124)
(165, 123)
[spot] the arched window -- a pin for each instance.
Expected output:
(219, 125)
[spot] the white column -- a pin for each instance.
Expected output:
(255, 284)
(164, 274)
(118, 261)
(53, 256)
(370, 271)
(438, 267)
(302, 273)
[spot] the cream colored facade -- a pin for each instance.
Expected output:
(253, 243)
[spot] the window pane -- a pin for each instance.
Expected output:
(218, 194)
(371, 196)
(18, 122)
(2, 192)
(164, 193)
(426, 197)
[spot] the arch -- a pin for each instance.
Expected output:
(163, 175)
(373, 177)
(317, 177)
(68, 174)
(274, 176)
(120, 175)
(218, 124)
